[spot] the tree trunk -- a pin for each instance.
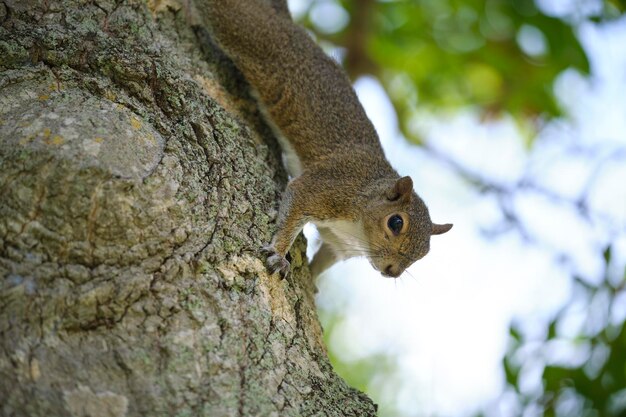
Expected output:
(137, 183)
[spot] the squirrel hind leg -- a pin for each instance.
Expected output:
(323, 259)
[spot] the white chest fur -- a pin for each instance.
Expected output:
(346, 238)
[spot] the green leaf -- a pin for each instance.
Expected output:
(607, 255)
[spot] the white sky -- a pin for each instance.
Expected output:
(448, 322)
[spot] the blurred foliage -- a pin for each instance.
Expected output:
(467, 53)
(498, 55)
(593, 381)
(360, 373)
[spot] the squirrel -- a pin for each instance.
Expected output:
(340, 178)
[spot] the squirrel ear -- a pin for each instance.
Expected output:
(401, 190)
(439, 229)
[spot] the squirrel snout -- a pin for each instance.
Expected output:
(392, 271)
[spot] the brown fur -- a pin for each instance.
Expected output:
(345, 175)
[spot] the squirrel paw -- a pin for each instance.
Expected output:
(276, 263)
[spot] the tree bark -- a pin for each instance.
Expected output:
(137, 183)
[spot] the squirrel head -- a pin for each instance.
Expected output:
(397, 226)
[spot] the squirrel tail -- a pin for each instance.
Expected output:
(307, 95)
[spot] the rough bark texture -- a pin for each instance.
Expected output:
(137, 182)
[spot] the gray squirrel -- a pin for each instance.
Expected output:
(341, 180)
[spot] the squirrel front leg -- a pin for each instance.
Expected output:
(291, 220)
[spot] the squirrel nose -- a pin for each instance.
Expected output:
(391, 272)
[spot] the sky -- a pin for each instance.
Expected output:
(446, 321)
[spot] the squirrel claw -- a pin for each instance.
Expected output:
(277, 263)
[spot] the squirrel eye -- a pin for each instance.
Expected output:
(395, 224)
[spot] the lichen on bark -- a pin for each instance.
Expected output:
(137, 182)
